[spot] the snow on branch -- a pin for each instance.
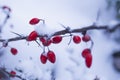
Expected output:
(63, 32)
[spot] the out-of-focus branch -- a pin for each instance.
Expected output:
(7, 74)
(114, 28)
(97, 78)
(6, 18)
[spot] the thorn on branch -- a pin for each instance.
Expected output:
(68, 29)
(16, 34)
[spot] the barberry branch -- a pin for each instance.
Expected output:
(63, 32)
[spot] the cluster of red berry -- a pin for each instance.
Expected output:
(86, 54)
(50, 55)
(47, 41)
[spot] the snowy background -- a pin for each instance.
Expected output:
(73, 13)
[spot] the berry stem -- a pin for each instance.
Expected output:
(70, 39)
(43, 49)
(48, 48)
(92, 43)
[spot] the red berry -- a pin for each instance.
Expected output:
(76, 39)
(51, 56)
(32, 36)
(85, 52)
(88, 60)
(34, 21)
(6, 7)
(42, 39)
(14, 51)
(43, 58)
(86, 38)
(47, 43)
(57, 39)
(12, 73)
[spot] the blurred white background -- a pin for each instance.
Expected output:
(73, 13)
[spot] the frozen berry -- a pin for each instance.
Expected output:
(43, 58)
(56, 39)
(47, 42)
(51, 56)
(86, 52)
(14, 51)
(42, 39)
(88, 60)
(32, 36)
(34, 21)
(76, 39)
(86, 38)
